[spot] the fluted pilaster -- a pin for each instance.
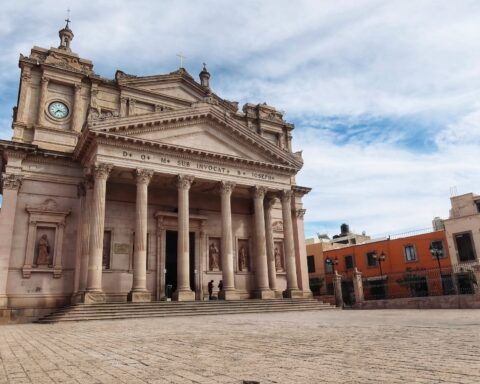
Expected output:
(42, 100)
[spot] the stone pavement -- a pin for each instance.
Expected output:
(395, 346)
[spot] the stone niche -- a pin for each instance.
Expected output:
(214, 261)
(46, 226)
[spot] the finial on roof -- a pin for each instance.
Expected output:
(204, 77)
(68, 18)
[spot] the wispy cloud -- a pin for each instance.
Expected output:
(384, 95)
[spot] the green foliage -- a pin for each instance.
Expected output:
(316, 284)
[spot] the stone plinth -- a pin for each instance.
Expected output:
(294, 294)
(264, 294)
(139, 296)
(94, 297)
(183, 296)
(228, 295)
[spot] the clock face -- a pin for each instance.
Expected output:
(58, 110)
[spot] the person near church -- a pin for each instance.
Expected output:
(210, 290)
(220, 286)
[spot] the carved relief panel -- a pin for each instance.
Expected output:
(45, 239)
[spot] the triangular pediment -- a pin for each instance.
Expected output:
(204, 129)
(205, 137)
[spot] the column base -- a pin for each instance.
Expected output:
(94, 297)
(139, 296)
(183, 295)
(228, 295)
(294, 294)
(78, 297)
(264, 294)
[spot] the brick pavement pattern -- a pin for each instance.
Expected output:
(385, 346)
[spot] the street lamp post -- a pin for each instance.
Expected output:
(332, 262)
(380, 259)
(438, 253)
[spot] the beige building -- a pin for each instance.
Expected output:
(462, 229)
(129, 188)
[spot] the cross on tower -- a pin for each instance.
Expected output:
(180, 55)
(68, 17)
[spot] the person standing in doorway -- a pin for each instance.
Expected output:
(220, 286)
(210, 290)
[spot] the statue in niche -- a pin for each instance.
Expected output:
(242, 259)
(43, 251)
(278, 259)
(213, 256)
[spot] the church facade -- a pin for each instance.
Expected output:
(144, 188)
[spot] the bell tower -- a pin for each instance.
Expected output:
(66, 36)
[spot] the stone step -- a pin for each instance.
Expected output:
(103, 311)
(176, 310)
(200, 312)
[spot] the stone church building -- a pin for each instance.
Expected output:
(140, 188)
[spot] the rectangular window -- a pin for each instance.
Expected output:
(438, 245)
(410, 254)
(371, 261)
(464, 245)
(349, 262)
(478, 206)
(311, 264)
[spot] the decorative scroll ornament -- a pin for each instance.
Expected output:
(184, 181)
(277, 226)
(94, 114)
(12, 181)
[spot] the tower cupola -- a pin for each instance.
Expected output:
(66, 36)
(204, 77)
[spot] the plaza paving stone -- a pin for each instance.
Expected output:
(396, 346)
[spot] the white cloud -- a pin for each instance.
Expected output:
(362, 60)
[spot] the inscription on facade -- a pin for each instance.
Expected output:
(211, 168)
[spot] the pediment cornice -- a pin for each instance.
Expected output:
(128, 126)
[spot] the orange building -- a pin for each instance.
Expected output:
(393, 267)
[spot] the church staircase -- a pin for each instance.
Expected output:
(112, 311)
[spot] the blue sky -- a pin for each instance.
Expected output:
(385, 95)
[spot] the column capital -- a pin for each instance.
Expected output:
(286, 195)
(78, 87)
(270, 202)
(45, 80)
(226, 187)
(101, 171)
(184, 181)
(143, 176)
(26, 76)
(12, 181)
(123, 99)
(258, 192)
(300, 213)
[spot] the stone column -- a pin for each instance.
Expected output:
(24, 97)
(272, 270)
(358, 286)
(290, 266)
(261, 270)
(77, 109)
(139, 292)
(337, 286)
(85, 238)
(94, 293)
(183, 292)
(228, 276)
(11, 186)
(42, 100)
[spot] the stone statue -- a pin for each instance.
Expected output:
(43, 251)
(213, 257)
(278, 259)
(242, 259)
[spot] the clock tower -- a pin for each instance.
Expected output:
(54, 93)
